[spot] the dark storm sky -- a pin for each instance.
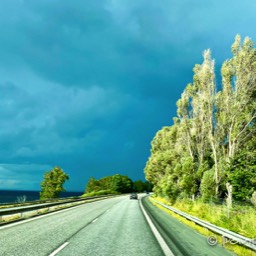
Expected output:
(85, 85)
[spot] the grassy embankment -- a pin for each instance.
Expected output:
(241, 219)
(100, 193)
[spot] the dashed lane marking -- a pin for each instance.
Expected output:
(95, 220)
(59, 249)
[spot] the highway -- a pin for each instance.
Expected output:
(111, 227)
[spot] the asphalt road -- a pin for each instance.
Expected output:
(114, 226)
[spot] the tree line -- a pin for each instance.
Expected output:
(212, 140)
(52, 184)
(116, 184)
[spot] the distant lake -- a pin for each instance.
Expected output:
(10, 196)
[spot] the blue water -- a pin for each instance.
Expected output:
(10, 196)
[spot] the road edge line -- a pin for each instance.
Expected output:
(167, 251)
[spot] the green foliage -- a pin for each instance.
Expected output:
(188, 180)
(100, 193)
(207, 186)
(122, 184)
(147, 186)
(92, 185)
(139, 186)
(241, 219)
(170, 189)
(118, 183)
(213, 138)
(242, 175)
(53, 182)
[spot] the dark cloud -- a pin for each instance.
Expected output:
(85, 85)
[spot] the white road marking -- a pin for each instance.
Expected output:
(59, 249)
(157, 235)
(95, 220)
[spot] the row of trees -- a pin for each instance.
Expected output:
(116, 183)
(212, 140)
(53, 182)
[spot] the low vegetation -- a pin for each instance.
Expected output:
(195, 211)
(100, 193)
(240, 219)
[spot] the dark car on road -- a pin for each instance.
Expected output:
(134, 196)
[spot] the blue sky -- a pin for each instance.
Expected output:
(85, 85)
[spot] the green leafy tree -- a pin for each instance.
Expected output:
(115, 183)
(242, 172)
(92, 185)
(203, 120)
(122, 184)
(236, 104)
(162, 154)
(139, 186)
(148, 186)
(52, 185)
(208, 185)
(208, 143)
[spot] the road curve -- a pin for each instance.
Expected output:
(111, 227)
(114, 226)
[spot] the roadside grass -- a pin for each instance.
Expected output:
(100, 193)
(9, 218)
(240, 220)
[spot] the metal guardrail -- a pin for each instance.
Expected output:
(233, 237)
(22, 212)
(17, 203)
(38, 205)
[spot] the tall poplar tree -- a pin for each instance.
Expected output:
(237, 101)
(213, 137)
